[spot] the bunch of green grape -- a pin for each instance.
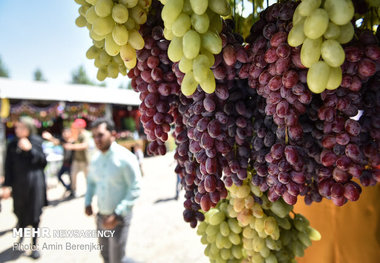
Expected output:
(113, 27)
(222, 235)
(321, 28)
(193, 27)
(270, 234)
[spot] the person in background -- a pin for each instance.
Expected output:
(65, 140)
(140, 156)
(114, 176)
(80, 151)
(24, 174)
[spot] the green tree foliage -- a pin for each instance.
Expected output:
(79, 76)
(38, 75)
(3, 70)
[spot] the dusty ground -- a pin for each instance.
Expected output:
(157, 234)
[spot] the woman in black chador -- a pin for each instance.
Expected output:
(24, 172)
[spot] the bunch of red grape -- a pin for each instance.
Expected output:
(154, 79)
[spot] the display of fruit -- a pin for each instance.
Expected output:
(290, 111)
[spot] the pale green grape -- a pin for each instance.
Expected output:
(131, 63)
(102, 26)
(271, 259)
(145, 4)
(340, 11)
(237, 252)
(280, 208)
(304, 238)
(139, 15)
(175, 49)
(270, 225)
(120, 35)
(189, 85)
(209, 85)
(122, 69)
(332, 53)
(296, 35)
(92, 52)
(216, 24)
(306, 7)
(91, 15)
(111, 47)
(221, 7)
(212, 42)
(92, 2)
(297, 16)
(95, 36)
(311, 51)
(346, 33)
(185, 65)
(130, 24)
(200, 22)
(317, 78)
(102, 74)
(200, 67)
(103, 8)
(234, 238)
(187, 8)
(201, 228)
(120, 13)
(129, 3)
(80, 2)
(335, 78)
(199, 6)
(104, 58)
(81, 21)
(171, 10)
(127, 53)
(113, 70)
(191, 44)
(135, 40)
(217, 218)
(225, 254)
(224, 229)
(316, 24)
(243, 192)
(181, 25)
(83, 9)
(332, 32)
(98, 44)
(313, 234)
(168, 34)
(234, 226)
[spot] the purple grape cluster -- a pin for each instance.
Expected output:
(154, 79)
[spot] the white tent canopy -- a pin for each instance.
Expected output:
(37, 90)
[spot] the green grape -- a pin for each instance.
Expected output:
(217, 218)
(346, 33)
(257, 211)
(83, 9)
(313, 234)
(181, 25)
(145, 4)
(256, 190)
(234, 226)
(204, 240)
(234, 238)
(129, 3)
(81, 21)
(200, 66)
(284, 223)
(127, 53)
(304, 238)
(340, 11)
(199, 6)
(272, 244)
(96, 37)
(248, 232)
(168, 34)
(316, 24)
(111, 47)
(120, 35)
(223, 207)
(103, 8)
(311, 51)
(211, 58)
(99, 44)
(259, 225)
(249, 202)
(221, 7)
(135, 40)
(332, 53)
(243, 192)
(104, 58)
(280, 208)
(113, 70)
(211, 238)
(224, 229)
(317, 78)
(92, 52)
(207, 250)
(245, 217)
(187, 8)
(130, 24)
(225, 254)
(120, 13)
(216, 24)
(122, 69)
(264, 252)
(306, 7)
(257, 258)
(271, 259)
(219, 242)
(175, 49)
(270, 225)
(237, 252)
(212, 42)
(118, 60)
(300, 222)
(332, 32)
(258, 244)
(231, 211)
(139, 15)
(335, 78)
(102, 74)
(209, 85)
(212, 230)
(189, 85)
(200, 22)
(80, 2)
(239, 204)
(297, 249)
(201, 228)
(191, 44)
(171, 10)
(102, 26)
(131, 63)
(296, 35)
(91, 16)
(92, 2)
(97, 62)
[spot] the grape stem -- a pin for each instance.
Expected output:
(286, 135)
